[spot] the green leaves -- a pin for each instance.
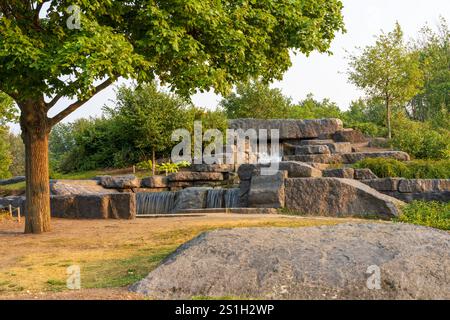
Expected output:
(190, 45)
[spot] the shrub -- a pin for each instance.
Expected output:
(417, 169)
(368, 128)
(431, 214)
(420, 140)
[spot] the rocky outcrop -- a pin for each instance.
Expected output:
(290, 128)
(94, 206)
(312, 149)
(328, 262)
(191, 198)
(347, 158)
(364, 174)
(267, 191)
(349, 135)
(347, 173)
(195, 176)
(68, 187)
(357, 156)
(409, 190)
(120, 182)
(294, 169)
(155, 182)
(338, 197)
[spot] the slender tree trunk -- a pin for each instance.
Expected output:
(35, 134)
(153, 162)
(388, 118)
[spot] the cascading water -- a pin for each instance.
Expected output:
(215, 198)
(222, 198)
(232, 198)
(155, 202)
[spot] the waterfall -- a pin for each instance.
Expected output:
(215, 198)
(232, 198)
(155, 202)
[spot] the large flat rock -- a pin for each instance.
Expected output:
(338, 197)
(329, 262)
(289, 128)
(72, 187)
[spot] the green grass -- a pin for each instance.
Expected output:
(430, 214)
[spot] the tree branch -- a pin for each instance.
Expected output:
(74, 106)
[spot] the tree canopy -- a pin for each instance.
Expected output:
(387, 71)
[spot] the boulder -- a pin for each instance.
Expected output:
(336, 262)
(335, 147)
(385, 184)
(244, 191)
(94, 206)
(316, 158)
(423, 185)
(295, 169)
(155, 182)
(15, 202)
(195, 176)
(68, 187)
(290, 128)
(364, 174)
(349, 135)
(311, 149)
(440, 196)
(347, 173)
(120, 182)
(338, 197)
(357, 156)
(315, 142)
(267, 191)
(191, 198)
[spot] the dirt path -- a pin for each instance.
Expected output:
(111, 253)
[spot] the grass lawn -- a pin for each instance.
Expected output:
(111, 253)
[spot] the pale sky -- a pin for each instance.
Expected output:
(320, 74)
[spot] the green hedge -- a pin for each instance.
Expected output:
(416, 169)
(430, 214)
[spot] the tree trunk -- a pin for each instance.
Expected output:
(153, 162)
(35, 133)
(388, 118)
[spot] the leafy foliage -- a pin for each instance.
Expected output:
(433, 49)
(420, 139)
(5, 155)
(431, 214)
(256, 99)
(387, 71)
(417, 169)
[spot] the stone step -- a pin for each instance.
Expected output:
(312, 149)
(348, 158)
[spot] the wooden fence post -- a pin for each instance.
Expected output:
(18, 214)
(10, 211)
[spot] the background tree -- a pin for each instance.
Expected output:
(433, 49)
(387, 71)
(147, 117)
(17, 150)
(255, 99)
(187, 44)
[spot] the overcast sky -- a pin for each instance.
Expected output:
(321, 74)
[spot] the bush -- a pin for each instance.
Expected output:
(431, 214)
(420, 140)
(368, 128)
(417, 169)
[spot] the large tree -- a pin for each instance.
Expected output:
(47, 54)
(388, 71)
